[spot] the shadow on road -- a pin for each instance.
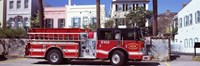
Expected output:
(3, 58)
(174, 57)
(102, 63)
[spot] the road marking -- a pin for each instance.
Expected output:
(167, 64)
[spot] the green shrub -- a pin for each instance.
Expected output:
(12, 33)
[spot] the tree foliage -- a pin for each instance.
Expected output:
(138, 17)
(109, 24)
(35, 22)
(13, 33)
(93, 27)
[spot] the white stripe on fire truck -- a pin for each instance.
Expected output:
(57, 33)
(68, 43)
(135, 53)
(37, 50)
(43, 50)
(102, 51)
(130, 53)
(70, 50)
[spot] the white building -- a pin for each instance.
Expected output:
(19, 12)
(120, 8)
(188, 27)
(81, 16)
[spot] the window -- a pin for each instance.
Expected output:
(187, 20)
(133, 6)
(196, 39)
(26, 3)
(76, 22)
(180, 23)
(130, 7)
(198, 17)
(61, 23)
(26, 21)
(26, 24)
(124, 7)
(85, 21)
(49, 23)
(120, 7)
(105, 35)
(184, 21)
(130, 35)
(18, 4)
(94, 21)
(191, 43)
(137, 5)
(20, 24)
(190, 19)
(186, 43)
(11, 4)
(144, 6)
(116, 7)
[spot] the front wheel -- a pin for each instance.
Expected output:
(54, 57)
(118, 58)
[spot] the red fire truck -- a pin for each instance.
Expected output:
(115, 44)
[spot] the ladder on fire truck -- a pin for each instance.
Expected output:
(69, 37)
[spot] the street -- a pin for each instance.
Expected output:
(41, 62)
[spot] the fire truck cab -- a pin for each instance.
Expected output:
(114, 44)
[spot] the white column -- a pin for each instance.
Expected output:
(69, 2)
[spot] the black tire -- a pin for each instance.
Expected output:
(118, 58)
(54, 57)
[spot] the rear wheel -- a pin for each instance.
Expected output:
(118, 58)
(54, 57)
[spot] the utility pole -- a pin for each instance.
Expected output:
(155, 14)
(4, 13)
(41, 14)
(98, 13)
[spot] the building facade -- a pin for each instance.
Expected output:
(19, 12)
(1, 12)
(120, 8)
(188, 27)
(55, 17)
(83, 16)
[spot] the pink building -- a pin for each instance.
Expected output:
(55, 17)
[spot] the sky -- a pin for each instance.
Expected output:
(163, 5)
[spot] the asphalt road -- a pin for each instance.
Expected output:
(40, 62)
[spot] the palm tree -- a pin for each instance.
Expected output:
(41, 14)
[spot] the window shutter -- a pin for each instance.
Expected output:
(72, 22)
(79, 22)
(91, 21)
(116, 7)
(58, 23)
(195, 17)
